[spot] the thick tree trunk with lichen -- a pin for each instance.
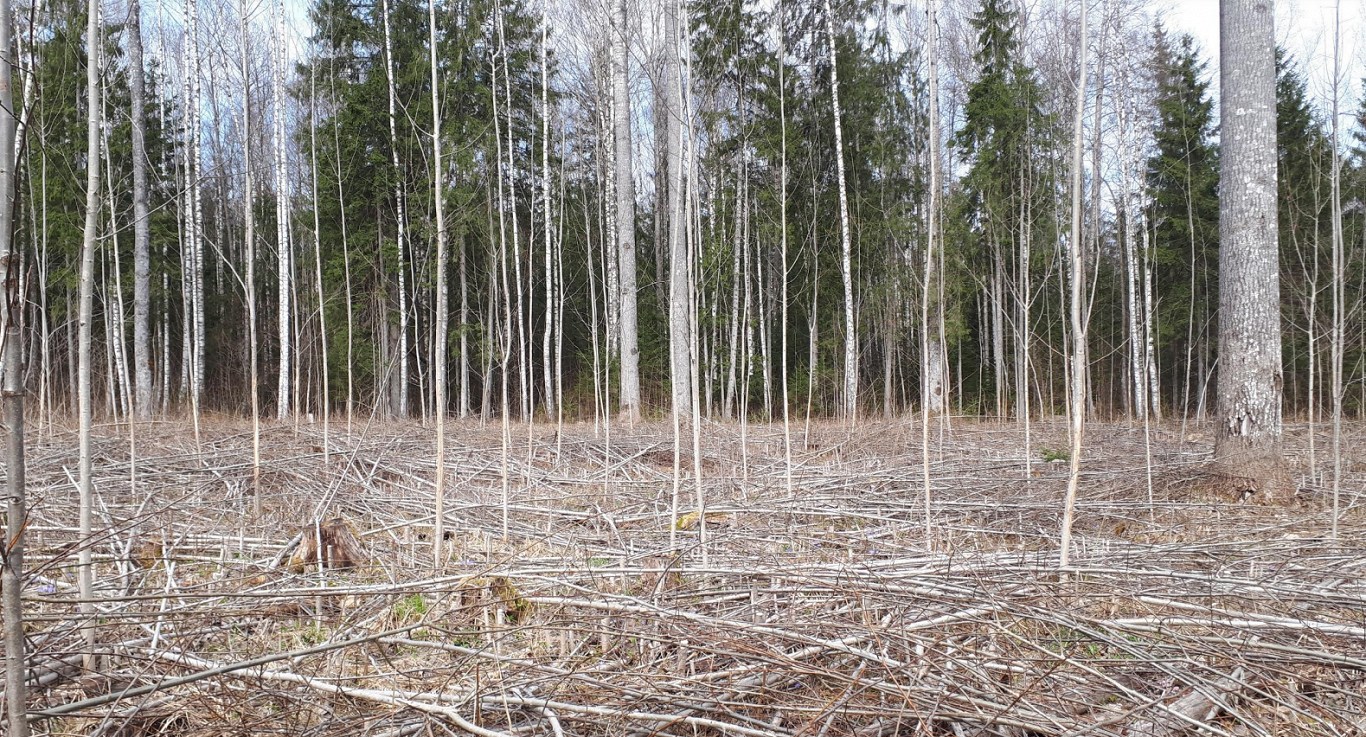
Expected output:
(1247, 445)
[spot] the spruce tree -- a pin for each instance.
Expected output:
(1183, 179)
(1004, 137)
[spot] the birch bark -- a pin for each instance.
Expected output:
(1078, 373)
(679, 271)
(402, 409)
(625, 216)
(85, 575)
(142, 260)
(547, 359)
(850, 404)
(1338, 276)
(249, 248)
(931, 365)
(318, 260)
(282, 216)
(442, 315)
(12, 375)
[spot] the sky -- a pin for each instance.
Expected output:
(1305, 28)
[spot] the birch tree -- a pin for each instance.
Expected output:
(249, 255)
(400, 217)
(931, 365)
(846, 263)
(1247, 445)
(142, 260)
(86, 573)
(442, 314)
(679, 267)
(625, 187)
(12, 379)
(318, 257)
(782, 234)
(1338, 273)
(193, 253)
(1075, 272)
(282, 215)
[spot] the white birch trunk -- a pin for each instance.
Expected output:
(346, 273)
(680, 359)
(318, 260)
(1339, 272)
(782, 220)
(196, 212)
(511, 174)
(402, 379)
(1075, 272)
(12, 376)
(86, 573)
(851, 355)
(1150, 331)
(282, 244)
(1129, 194)
(932, 379)
(547, 358)
(625, 186)
(142, 260)
(442, 315)
(249, 251)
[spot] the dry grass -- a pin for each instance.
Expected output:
(818, 613)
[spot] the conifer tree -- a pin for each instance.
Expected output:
(1001, 137)
(1183, 178)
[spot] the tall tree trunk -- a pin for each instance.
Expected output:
(442, 315)
(12, 379)
(547, 358)
(851, 353)
(1075, 271)
(931, 364)
(1150, 331)
(346, 274)
(193, 250)
(249, 256)
(1247, 444)
(782, 225)
(679, 271)
(625, 187)
(142, 260)
(1338, 275)
(86, 572)
(1128, 207)
(523, 369)
(282, 407)
(464, 333)
(401, 410)
(318, 259)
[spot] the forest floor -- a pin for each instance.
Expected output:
(816, 609)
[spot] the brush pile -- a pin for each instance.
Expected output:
(580, 604)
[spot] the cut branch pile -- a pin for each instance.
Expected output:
(823, 613)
